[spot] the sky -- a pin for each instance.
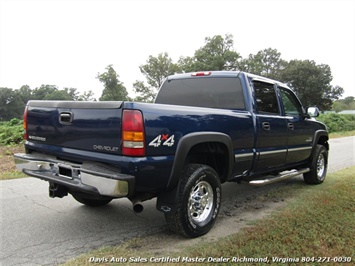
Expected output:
(68, 42)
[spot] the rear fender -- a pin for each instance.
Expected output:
(189, 141)
(167, 199)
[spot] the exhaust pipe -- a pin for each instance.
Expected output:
(138, 207)
(137, 201)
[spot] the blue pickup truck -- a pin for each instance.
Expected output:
(204, 129)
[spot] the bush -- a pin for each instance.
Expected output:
(338, 122)
(11, 132)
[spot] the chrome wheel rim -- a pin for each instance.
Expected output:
(320, 166)
(200, 202)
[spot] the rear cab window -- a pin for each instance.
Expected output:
(211, 92)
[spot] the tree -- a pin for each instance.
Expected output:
(10, 105)
(72, 93)
(267, 63)
(155, 71)
(87, 96)
(344, 104)
(25, 94)
(59, 95)
(114, 90)
(44, 90)
(312, 83)
(145, 93)
(217, 54)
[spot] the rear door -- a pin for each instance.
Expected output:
(271, 143)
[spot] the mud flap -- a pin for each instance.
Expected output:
(166, 201)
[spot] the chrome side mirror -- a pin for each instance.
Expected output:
(313, 111)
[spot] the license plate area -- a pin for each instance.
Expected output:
(68, 171)
(65, 172)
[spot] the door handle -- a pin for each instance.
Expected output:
(66, 118)
(291, 126)
(266, 126)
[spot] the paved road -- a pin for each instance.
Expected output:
(38, 230)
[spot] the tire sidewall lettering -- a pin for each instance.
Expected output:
(216, 200)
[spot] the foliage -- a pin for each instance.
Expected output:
(338, 122)
(344, 104)
(114, 90)
(312, 83)
(145, 93)
(11, 132)
(12, 102)
(267, 63)
(87, 96)
(216, 54)
(155, 71)
(158, 68)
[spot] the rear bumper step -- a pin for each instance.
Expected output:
(278, 177)
(89, 177)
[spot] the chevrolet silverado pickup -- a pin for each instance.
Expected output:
(204, 129)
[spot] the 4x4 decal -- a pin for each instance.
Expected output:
(163, 138)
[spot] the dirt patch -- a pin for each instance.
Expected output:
(6, 157)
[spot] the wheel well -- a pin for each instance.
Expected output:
(213, 154)
(323, 140)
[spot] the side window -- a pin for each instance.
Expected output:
(266, 99)
(291, 105)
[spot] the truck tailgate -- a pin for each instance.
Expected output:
(90, 126)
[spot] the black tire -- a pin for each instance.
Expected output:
(92, 202)
(198, 201)
(318, 166)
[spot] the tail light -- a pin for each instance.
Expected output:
(25, 123)
(133, 133)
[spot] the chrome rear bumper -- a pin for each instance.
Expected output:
(89, 177)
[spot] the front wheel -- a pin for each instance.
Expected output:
(318, 167)
(198, 201)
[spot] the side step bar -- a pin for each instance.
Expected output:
(278, 177)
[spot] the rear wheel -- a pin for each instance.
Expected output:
(318, 167)
(198, 201)
(91, 201)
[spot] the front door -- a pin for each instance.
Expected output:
(300, 132)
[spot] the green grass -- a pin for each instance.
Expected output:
(319, 222)
(342, 134)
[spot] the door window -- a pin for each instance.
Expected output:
(266, 99)
(291, 105)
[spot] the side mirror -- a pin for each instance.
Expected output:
(313, 111)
